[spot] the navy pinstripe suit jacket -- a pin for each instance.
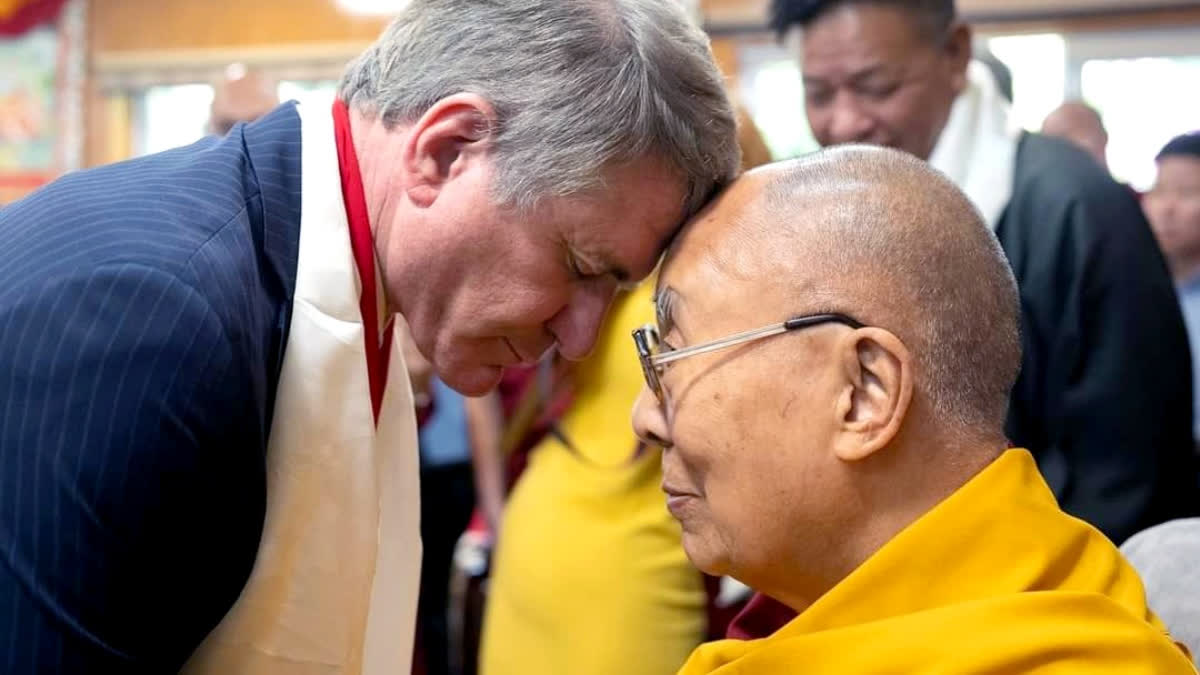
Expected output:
(144, 308)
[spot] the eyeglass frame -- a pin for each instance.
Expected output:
(651, 362)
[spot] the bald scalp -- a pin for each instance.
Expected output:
(880, 235)
(1080, 124)
(1070, 115)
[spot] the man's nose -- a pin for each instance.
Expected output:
(649, 421)
(849, 122)
(576, 325)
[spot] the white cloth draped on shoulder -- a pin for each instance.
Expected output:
(334, 586)
(978, 146)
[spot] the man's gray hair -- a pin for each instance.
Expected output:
(577, 86)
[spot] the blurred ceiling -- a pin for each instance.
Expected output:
(372, 7)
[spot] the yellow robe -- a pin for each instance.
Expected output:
(995, 579)
(589, 575)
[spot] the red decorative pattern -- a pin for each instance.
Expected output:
(29, 14)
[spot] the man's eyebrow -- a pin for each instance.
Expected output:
(855, 77)
(603, 263)
(620, 273)
(867, 73)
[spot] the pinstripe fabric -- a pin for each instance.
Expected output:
(143, 312)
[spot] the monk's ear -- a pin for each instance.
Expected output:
(878, 372)
(452, 137)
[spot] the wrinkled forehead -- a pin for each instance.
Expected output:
(724, 217)
(716, 261)
(854, 36)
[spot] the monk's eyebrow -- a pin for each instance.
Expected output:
(664, 308)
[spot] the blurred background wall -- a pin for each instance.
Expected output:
(86, 82)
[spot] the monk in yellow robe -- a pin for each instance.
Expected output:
(836, 341)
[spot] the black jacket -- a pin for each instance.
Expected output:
(144, 309)
(1104, 396)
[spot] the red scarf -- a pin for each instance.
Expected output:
(361, 241)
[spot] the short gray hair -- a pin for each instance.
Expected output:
(577, 85)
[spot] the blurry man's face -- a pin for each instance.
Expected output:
(1173, 208)
(872, 76)
(509, 285)
(747, 462)
(241, 97)
(1081, 128)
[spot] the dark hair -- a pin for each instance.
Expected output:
(1187, 145)
(933, 16)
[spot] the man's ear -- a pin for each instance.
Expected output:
(878, 372)
(958, 51)
(454, 132)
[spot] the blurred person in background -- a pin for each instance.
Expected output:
(1165, 557)
(1102, 400)
(1173, 208)
(240, 96)
(210, 452)
(589, 577)
(1001, 73)
(1079, 123)
(450, 424)
(750, 139)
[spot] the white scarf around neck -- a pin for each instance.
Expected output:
(978, 147)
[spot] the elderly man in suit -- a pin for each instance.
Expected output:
(206, 462)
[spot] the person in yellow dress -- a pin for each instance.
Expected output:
(836, 342)
(588, 573)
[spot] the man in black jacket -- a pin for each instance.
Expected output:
(1104, 397)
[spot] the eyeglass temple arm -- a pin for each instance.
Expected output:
(732, 340)
(814, 319)
(747, 336)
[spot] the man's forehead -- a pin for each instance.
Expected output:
(766, 239)
(1180, 165)
(857, 37)
(703, 253)
(623, 235)
(718, 218)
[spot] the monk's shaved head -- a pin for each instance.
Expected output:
(800, 447)
(881, 236)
